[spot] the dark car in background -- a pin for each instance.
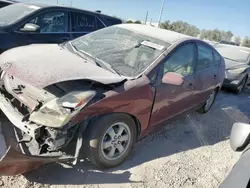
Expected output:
(237, 60)
(25, 23)
(4, 3)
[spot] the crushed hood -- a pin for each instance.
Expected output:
(233, 64)
(46, 64)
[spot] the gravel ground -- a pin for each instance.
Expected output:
(192, 151)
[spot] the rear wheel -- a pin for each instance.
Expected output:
(209, 103)
(109, 140)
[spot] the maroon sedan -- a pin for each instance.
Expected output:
(98, 94)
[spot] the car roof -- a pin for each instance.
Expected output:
(217, 45)
(42, 5)
(162, 34)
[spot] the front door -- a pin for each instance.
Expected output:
(171, 100)
(54, 28)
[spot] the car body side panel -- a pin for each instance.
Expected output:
(239, 175)
(134, 98)
(172, 100)
(205, 83)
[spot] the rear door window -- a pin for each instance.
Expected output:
(205, 57)
(217, 58)
(83, 22)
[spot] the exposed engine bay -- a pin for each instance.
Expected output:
(43, 117)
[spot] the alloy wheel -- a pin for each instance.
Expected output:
(115, 141)
(210, 100)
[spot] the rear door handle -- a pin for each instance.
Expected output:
(215, 76)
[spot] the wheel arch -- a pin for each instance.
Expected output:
(134, 118)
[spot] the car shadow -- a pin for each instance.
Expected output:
(185, 133)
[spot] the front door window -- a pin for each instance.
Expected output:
(52, 22)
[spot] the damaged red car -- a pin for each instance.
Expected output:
(98, 94)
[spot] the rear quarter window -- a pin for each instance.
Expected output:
(2, 4)
(109, 20)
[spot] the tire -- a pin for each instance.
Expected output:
(209, 103)
(99, 132)
(241, 85)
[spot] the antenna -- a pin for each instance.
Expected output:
(146, 19)
(162, 7)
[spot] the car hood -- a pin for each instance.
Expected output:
(233, 64)
(45, 64)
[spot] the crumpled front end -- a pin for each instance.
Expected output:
(29, 141)
(13, 161)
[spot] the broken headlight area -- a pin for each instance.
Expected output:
(54, 118)
(50, 142)
(59, 111)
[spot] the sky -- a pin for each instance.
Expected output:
(205, 14)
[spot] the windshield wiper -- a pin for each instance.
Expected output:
(76, 51)
(103, 63)
(98, 61)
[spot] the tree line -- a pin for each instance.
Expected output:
(204, 34)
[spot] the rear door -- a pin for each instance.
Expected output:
(206, 72)
(83, 23)
(171, 100)
(54, 27)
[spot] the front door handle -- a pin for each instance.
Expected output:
(215, 76)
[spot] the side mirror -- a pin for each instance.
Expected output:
(173, 78)
(240, 136)
(29, 27)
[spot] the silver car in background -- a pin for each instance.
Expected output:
(237, 60)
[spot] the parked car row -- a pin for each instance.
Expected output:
(98, 93)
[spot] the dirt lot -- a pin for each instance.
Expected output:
(192, 151)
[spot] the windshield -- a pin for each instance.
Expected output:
(12, 13)
(233, 53)
(127, 52)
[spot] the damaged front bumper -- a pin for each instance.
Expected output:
(13, 160)
(14, 155)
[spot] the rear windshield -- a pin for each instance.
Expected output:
(12, 13)
(110, 21)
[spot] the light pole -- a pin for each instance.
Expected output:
(162, 7)
(57, 2)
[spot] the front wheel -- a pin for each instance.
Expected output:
(109, 140)
(209, 103)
